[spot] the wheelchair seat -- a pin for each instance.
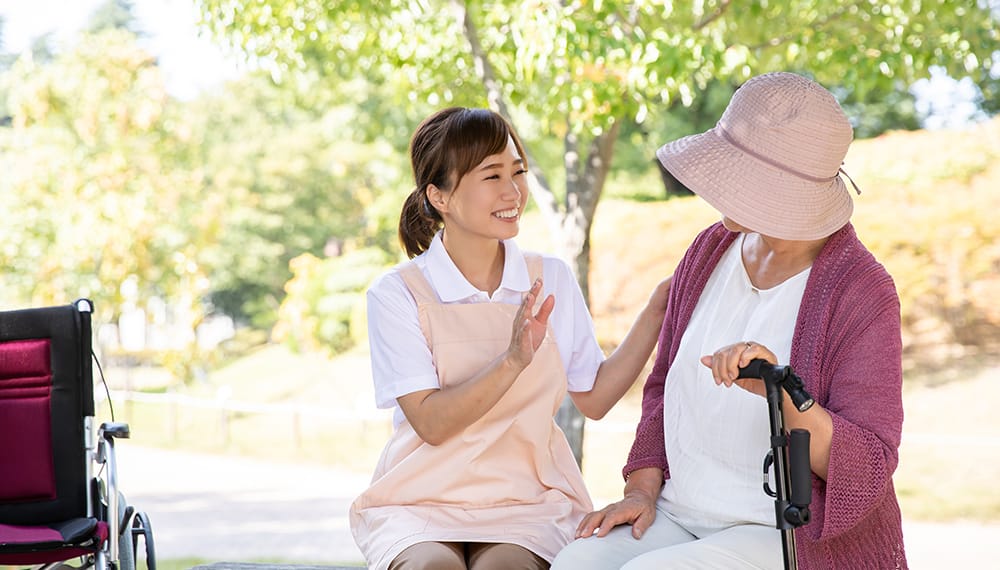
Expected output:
(60, 504)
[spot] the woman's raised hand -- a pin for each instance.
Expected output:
(529, 329)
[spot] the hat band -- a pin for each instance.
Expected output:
(729, 138)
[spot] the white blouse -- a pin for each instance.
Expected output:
(401, 359)
(716, 437)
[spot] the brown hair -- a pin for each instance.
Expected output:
(445, 147)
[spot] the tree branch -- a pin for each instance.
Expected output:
(571, 164)
(713, 16)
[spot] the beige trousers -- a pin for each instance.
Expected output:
(467, 556)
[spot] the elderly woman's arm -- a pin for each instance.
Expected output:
(864, 403)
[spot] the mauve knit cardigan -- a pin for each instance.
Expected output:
(847, 350)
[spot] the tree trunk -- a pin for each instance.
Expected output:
(584, 186)
(569, 224)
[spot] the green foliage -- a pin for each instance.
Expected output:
(108, 182)
(291, 180)
(574, 71)
(117, 193)
(323, 308)
(334, 49)
(880, 112)
(92, 192)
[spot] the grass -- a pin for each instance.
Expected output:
(180, 563)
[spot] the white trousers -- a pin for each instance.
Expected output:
(668, 545)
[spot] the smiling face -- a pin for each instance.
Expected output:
(488, 201)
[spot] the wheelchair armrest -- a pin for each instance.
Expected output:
(114, 430)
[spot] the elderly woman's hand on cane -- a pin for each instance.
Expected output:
(727, 361)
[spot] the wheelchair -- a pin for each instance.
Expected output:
(60, 502)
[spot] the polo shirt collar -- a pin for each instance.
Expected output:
(452, 286)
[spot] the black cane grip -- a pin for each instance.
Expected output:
(756, 369)
(800, 471)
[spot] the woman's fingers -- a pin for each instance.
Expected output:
(524, 310)
(529, 329)
(721, 370)
(611, 520)
(590, 523)
(727, 361)
(526, 303)
(537, 322)
(542, 316)
(642, 523)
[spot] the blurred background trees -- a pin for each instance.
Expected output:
(274, 199)
(98, 197)
(571, 76)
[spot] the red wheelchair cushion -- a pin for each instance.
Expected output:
(53, 543)
(27, 471)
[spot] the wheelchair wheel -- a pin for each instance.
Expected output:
(126, 543)
(126, 552)
(141, 526)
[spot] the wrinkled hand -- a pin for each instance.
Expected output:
(636, 509)
(529, 330)
(727, 361)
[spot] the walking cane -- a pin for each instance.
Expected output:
(789, 453)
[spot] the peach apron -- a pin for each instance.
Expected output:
(509, 477)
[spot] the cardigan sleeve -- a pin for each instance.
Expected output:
(864, 398)
(648, 448)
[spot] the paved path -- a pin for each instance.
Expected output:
(238, 509)
(219, 508)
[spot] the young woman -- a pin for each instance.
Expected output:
(474, 343)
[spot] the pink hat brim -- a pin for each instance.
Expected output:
(755, 194)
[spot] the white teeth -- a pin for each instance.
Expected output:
(506, 214)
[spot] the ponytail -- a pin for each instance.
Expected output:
(418, 223)
(445, 147)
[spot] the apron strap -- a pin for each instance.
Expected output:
(415, 281)
(422, 293)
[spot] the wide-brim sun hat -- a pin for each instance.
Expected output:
(772, 162)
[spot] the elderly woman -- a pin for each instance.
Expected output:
(784, 278)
